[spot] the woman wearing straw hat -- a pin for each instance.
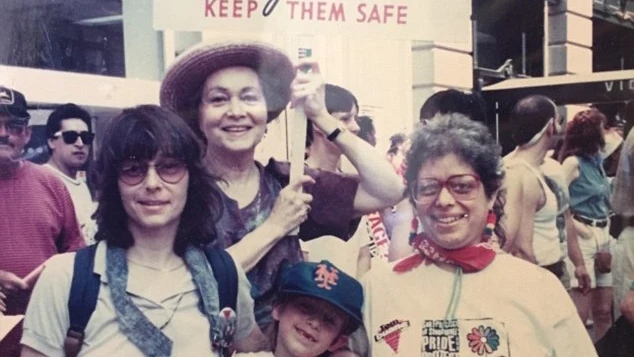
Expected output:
(228, 93)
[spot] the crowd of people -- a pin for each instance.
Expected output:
(186, 245)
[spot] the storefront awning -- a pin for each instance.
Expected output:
(102, 96)
(600, 87)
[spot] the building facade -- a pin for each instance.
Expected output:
(105, 55)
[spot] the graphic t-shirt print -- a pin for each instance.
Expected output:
(464, 338)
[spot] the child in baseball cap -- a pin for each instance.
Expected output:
(318, 307)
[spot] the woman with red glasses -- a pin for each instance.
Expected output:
(157, 295)
(457, 295)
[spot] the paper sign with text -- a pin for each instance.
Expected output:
(397, 19)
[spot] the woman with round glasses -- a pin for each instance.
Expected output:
(228, 93)
(157, 208)
(590, 206)
(458, 295)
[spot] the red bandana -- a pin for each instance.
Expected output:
(470, 259)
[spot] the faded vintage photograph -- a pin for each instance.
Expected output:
(317, 178)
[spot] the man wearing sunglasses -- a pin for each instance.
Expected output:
(37, 218)
(70, 137)
(537, 221)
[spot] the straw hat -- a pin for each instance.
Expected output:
(181, 87)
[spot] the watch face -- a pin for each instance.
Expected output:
(335, 133)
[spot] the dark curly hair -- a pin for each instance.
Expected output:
(584, 134)
(472, 142)
(143, 132)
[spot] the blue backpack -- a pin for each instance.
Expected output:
(85, 289)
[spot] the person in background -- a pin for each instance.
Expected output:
(376, 223)
(353, 255)
(37, 217)
(322, 153)
(613, 135)
(622, 201)
(454, 101)
(228, 92)
(590, 206)
(70, 136)
(396, 152)
(158, 295)
(367, 131)
(532, 200)
(457, 294)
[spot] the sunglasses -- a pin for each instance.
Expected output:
(15, 127)
(133, 173)
(70, 137)
(462, 187)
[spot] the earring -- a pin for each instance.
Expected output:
(490, 226)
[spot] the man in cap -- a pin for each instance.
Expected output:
(69, 134)
(37, 218)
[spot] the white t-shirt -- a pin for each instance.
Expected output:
(169, 299)
(84, 205)
(510, 308)
(345, 254)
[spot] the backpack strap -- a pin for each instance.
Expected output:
(84, 290)
(226, 274)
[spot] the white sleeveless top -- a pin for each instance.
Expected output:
(546, 245)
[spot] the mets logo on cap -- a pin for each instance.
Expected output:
(324, 281)
(326, 276)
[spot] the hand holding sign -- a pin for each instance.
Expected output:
(309, 89)
(291, 206)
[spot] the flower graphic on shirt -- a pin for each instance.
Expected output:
(483, 340)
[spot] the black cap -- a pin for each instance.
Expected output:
(13, 103)
(324, 281)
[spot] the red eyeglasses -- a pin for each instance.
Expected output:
(461, 187)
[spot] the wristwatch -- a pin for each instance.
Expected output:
(335, 133)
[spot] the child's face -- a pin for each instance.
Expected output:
(308, 327)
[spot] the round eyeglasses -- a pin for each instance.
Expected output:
(133, 173)
(462, 187)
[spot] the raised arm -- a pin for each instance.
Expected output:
(379, 185)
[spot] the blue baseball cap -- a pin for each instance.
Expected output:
(324, 281)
